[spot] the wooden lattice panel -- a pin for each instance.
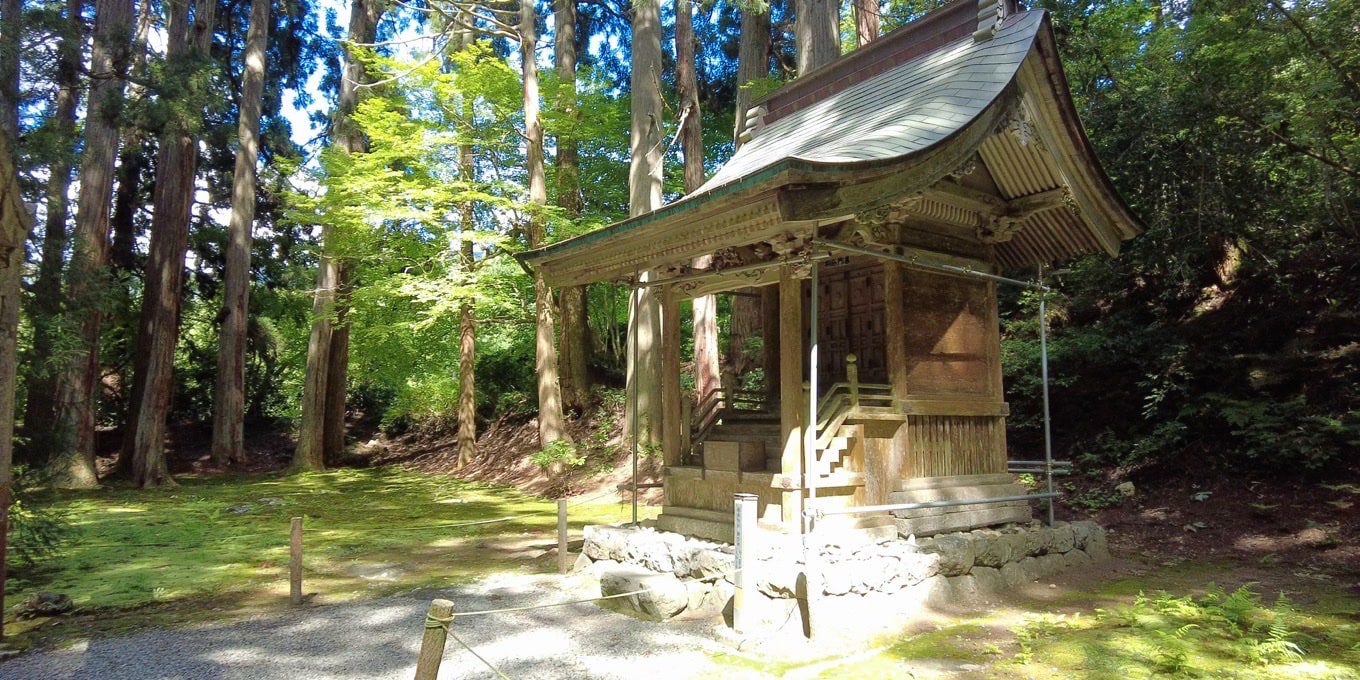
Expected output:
(944, 446)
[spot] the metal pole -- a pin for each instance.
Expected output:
(1043, 366)
(932, 266)
(810, 433)
(743, 539)
(868, 509)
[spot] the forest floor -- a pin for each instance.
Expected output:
(214, 549)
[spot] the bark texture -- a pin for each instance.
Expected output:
(753, 62)
(574, 348)
(321, 425)
(550, 425)
(15, 223)
(40, 409)
(72, 463)
(706, 358)
(646, 144)
(229, 398)
(866, 22)
(816, 33)
(467, 329)
(172, 205)
(11, 27)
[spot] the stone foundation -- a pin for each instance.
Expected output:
(849, 590)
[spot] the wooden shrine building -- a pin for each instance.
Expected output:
(898, 178)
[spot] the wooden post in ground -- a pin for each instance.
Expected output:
(437, 623)
(295, 564)
(562, 563)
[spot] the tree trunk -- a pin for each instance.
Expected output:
(816, 33)
(310, 453)
(15, 223)
(753, 62)
(575, 317)
(337, 373)
(72, 463)
(45, 309)
(172, 205)
(550, 426)
(11, 28)
(321, 424)
(229, 398)
(866, 22)
(467, 329)
(132, 161)
(692, 145)
(646, 142)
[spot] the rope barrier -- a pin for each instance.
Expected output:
(554, 604)
(432, 621)
(473, 652)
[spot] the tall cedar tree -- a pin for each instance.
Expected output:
(323, 387)
(72, 463)
(866, 22)
(753, 63)
(550, 426)
(646, 141)
(816, 33)
(172, 206)
(692, 145)
(45, 306)
(15, 223)
(467, 328)
(229, 401)
(574, 347)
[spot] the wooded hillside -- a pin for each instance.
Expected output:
(198, 257)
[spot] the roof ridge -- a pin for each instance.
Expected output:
(934, 30)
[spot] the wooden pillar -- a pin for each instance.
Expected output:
(791, 391)
(671, 424)
(895, 327)
(769, 305)
(883, 460)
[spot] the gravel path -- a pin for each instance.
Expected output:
(381, 638)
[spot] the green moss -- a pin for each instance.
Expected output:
(222, 542)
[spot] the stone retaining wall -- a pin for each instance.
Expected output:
(855, 587)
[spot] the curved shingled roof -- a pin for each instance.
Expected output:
(895, 126)
(899, 112)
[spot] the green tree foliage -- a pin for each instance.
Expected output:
(1227, 331)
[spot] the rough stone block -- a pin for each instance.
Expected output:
(1061, 538)
(1036, 539)
(1013, 575)
(582, 563)
(991, 549)
(988, 579)
(664, 595)
(955, 551)
(938, 590)
(963, 588)
(1083, 530)
(1077, 559)
(1051, 564)
(606, 543)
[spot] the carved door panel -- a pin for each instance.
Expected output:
(850, 321)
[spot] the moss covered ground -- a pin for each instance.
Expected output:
(217, 546)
